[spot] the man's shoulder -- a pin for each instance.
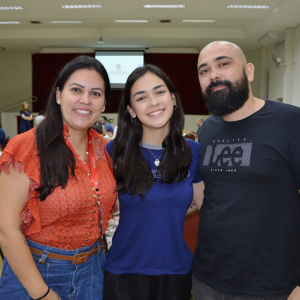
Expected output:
(280, 107)
(284, 113)
(108, 125)
(210, 120)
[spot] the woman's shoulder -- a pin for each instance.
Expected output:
(22, 144)
(23, 141)
(21, 151)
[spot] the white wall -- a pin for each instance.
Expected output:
(276, 74)
(190, 120)
(15, 78)
(9, 122)
(254, 57)
(296, 68)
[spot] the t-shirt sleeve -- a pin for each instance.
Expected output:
(109, 148)
(295, 157)
(194, 168)
(22, 112)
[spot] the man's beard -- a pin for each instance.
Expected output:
(227, 100)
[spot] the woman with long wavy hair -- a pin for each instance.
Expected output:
(157, 176)
(57, 192)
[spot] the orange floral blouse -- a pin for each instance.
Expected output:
(67, 218)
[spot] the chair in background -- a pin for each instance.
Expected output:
(190, 136)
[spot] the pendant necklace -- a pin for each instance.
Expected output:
(157, 161)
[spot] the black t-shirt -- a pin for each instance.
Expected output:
(249, 233)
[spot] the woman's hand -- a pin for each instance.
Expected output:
(52, 296)
(26, 118)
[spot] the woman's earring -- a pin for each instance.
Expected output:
(175, 106)
(133, 120)
(58, 102)
(103, 110)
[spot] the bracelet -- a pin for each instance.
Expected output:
(44, 295)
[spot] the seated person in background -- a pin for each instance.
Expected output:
(101, 129)
(192, 135)
(40, 117)
(25, 119)
(2, 139)
(97, 122)
(199, 122)
(98, 128)
(107, 125)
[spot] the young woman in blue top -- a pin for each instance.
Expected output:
(157, 175)
(25, 118)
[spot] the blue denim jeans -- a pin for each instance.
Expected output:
(82, 282)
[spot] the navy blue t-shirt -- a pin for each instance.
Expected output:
(149, 237)
(249, 237)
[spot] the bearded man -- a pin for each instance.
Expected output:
(249, 230)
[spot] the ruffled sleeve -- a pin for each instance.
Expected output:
(21, 153)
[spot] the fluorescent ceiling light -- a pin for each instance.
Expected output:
(83, 6)
(198, 21)
(65, 22)
(131, 21)
(10, 22)
(11, 7)
(164, 6)
(249, 6)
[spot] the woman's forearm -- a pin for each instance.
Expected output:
(27, 118)
(20, 259)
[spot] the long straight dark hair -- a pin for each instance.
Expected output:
(56, 159)
(130, 167)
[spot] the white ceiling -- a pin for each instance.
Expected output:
(241, 26)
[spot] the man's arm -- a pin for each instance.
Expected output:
(198, 193)
(295, 295)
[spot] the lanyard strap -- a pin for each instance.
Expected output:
(94, 171)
